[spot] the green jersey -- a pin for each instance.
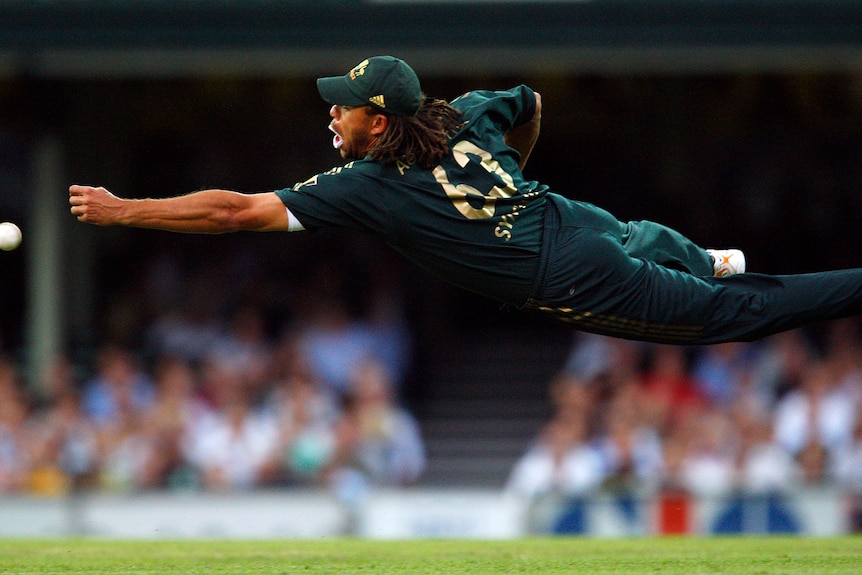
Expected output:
(473, 220)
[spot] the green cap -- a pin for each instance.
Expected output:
(384, 82)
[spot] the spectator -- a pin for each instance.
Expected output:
(560, 462)
(704, 454)
(64, 445)
(815, 464)
(305, 414)
(123, 450)
(721, 370)
(246, 347)
(630, 448)
(778, 368)
(668, 390)
(593, 355)
(575, 398)
(764, 467)
(392, 342)
(166, 425)
(844, 355)
(848, 460)
(375, 436)
(120, 386)
(14, 408)
(335, 344)
(339, 330)
(818, 410)
(232, 443)
(57, 378)
(191, 327)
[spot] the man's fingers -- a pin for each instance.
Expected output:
(77, 200)
(90, 204)
(76, 190)
(76, 197)
(76, 194)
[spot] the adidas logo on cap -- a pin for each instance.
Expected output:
(385, 82)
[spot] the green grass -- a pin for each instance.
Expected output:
(666, 556)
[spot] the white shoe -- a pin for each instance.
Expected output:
(727, 262)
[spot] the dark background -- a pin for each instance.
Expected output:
(738, 123)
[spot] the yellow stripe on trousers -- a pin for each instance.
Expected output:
(619, 326)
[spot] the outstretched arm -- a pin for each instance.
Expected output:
(524, 137)
(207, 212)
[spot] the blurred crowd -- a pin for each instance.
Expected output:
(218, 407)
(762, 418)
(221, 406)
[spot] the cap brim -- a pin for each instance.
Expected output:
(335, 91)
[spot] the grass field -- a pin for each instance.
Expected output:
(666, 556)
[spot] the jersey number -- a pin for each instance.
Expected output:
(464, 196)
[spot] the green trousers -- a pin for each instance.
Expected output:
(644, 281)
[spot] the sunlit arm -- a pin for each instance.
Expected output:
(207, 211)
(524, 137)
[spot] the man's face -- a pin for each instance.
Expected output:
(355, 129)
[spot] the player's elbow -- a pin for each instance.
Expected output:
(537, 115)
(255, 212)
(237, 219)
(232, 213)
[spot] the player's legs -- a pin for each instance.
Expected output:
(784, 302)
(643, 239)
(593, 283)
(660, 244)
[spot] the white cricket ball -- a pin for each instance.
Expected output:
(10, 236)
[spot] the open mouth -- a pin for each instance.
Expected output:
(336, 139)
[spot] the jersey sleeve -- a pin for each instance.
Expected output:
(507, 108)
(338, 198)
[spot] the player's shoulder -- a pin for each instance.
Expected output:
(345, 177)
(350, 168)
(353, 171)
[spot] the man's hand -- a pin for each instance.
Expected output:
(95, 205)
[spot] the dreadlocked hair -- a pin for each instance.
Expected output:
(422, 139)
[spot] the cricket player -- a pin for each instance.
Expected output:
(442, 183)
